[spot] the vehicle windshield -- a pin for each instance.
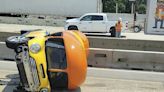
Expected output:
(56, 55)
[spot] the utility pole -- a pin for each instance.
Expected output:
(133, 12)
(100, 5)
(132, 7)
(116, 7)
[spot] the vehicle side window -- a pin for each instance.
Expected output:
(86, 18)
(97, 18)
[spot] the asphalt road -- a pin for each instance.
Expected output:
(6, 53)
(100, 80)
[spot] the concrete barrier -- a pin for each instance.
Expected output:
(125, 17)
(112, 58)
(126, 59)
(33, 21)
(114, 43)
(126, 44)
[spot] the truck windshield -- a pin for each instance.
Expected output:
(55, 53)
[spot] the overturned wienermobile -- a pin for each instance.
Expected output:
(50, 61)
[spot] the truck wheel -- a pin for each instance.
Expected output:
(113, 32)
(137, 29)
(14, 41)
(72, 28)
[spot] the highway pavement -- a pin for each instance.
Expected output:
(98, 80)
(6, 53)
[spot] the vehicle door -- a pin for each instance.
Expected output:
(85, 23)
(98, 24)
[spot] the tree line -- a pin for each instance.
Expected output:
(124, 6)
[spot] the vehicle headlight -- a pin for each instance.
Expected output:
(44, 90)
(35, 48)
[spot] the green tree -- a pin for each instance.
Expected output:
(109, 6)
(142, 9)
(140, 6)
(124, 6)
(121, 8)
(127, 6)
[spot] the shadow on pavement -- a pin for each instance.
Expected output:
(10, 82)
(76, 90)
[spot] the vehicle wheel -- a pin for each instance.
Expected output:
(72, 28)
(14, 41)
(23, 31)
(137, 29)
(113, 32)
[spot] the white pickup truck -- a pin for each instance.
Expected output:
(92, 22)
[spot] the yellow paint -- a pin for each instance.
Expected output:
(38, 33)
(40, 57)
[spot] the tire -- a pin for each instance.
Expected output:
(23, 31)
(137, 29)
(113, 32)
(14, 41)
(72, 28)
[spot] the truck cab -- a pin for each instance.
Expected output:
(91, 22)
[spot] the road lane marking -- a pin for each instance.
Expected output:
(2, 43)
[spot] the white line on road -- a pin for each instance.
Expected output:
(8, 65)
(2, 43)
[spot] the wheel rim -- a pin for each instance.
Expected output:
(136, 29)
(17, 39)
